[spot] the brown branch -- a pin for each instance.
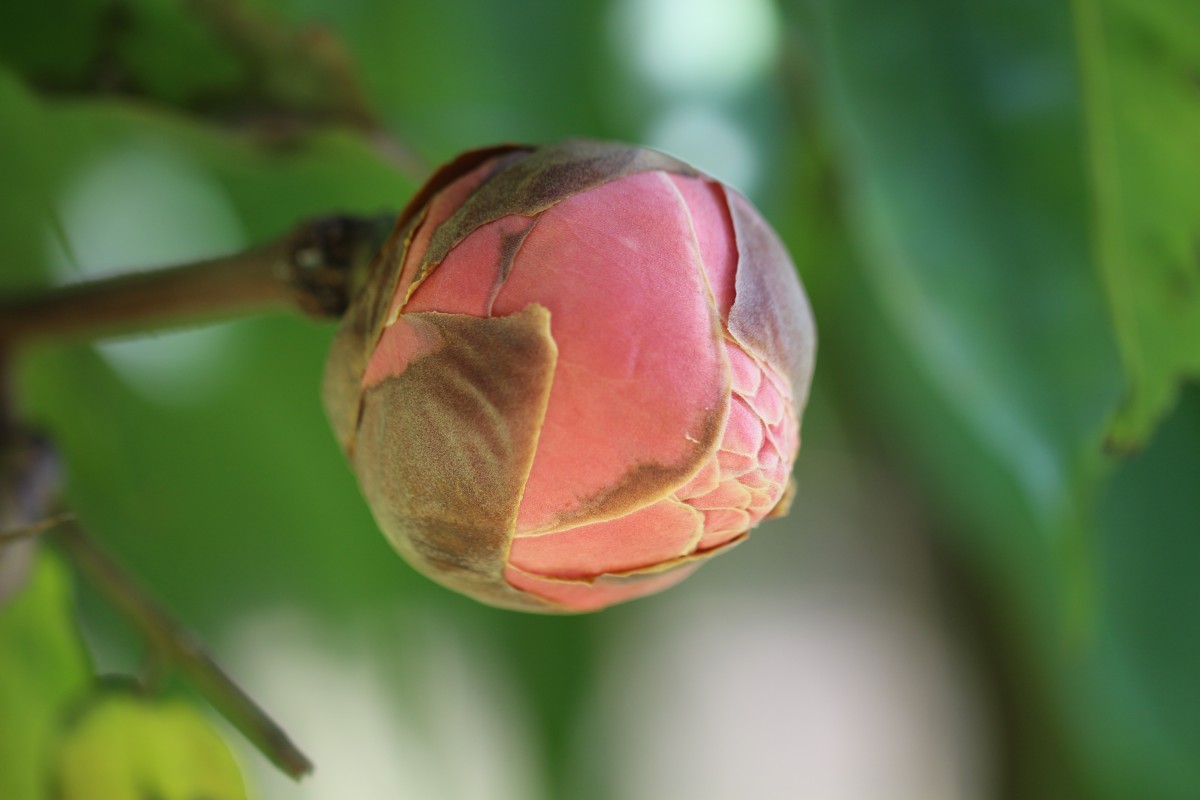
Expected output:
(29, 486)
(313, 269)
(32, 531)
(316, 269)
(180, 647)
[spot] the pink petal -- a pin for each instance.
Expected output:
(717, 539)
(641, 380)
(725, 519)
(761, 502)
(768, 457)
(769, 403)
(743, 430)
(399, 345)
(604, 591)
(666, 530)
(723, 525)
(707, 479)
(439, 210)
(714, 234)
(730, 494)
(770, 318)
(747, 374)
(468, 279)
(735, 465)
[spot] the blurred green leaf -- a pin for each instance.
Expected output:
(1141, 76)
(125, 747)
(459, 74)
(985, 347)
(220, 58)
(42, 668)
(34, 41)
(1135, 696)
(165, 51)
(156, 49)
(957, 129)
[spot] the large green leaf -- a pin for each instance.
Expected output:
(1134, 692)
(1140, 62)
(957, 128)
(120, 746)
(43, 667)
(985, 349)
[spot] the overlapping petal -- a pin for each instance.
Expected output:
(578, 387)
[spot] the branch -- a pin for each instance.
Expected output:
(314, 269)
(183, 650)
(33, 530)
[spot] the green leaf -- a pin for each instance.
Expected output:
(1134, 698)
(26, 30)
(1140, 66)
(460, 74)
(42, 668)
(981, 338)
(958, 128)
(224, 59)
(126, 747)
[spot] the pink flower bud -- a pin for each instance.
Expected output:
(575, 373)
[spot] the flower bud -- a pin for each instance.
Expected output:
(574, 373)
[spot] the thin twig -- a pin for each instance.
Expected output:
(183, 650)
(399, 154)
(34, 530)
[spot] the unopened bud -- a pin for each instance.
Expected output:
(575, 374)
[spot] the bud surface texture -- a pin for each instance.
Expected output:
(575, 373)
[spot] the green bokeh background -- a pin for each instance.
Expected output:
(993, 208)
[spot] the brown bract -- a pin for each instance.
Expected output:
(445, 447)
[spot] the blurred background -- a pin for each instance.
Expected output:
(989, 586)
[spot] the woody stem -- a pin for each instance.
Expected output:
(315, 269)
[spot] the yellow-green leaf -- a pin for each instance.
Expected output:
(126, 747)
(1140, 68)
(42, 668)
